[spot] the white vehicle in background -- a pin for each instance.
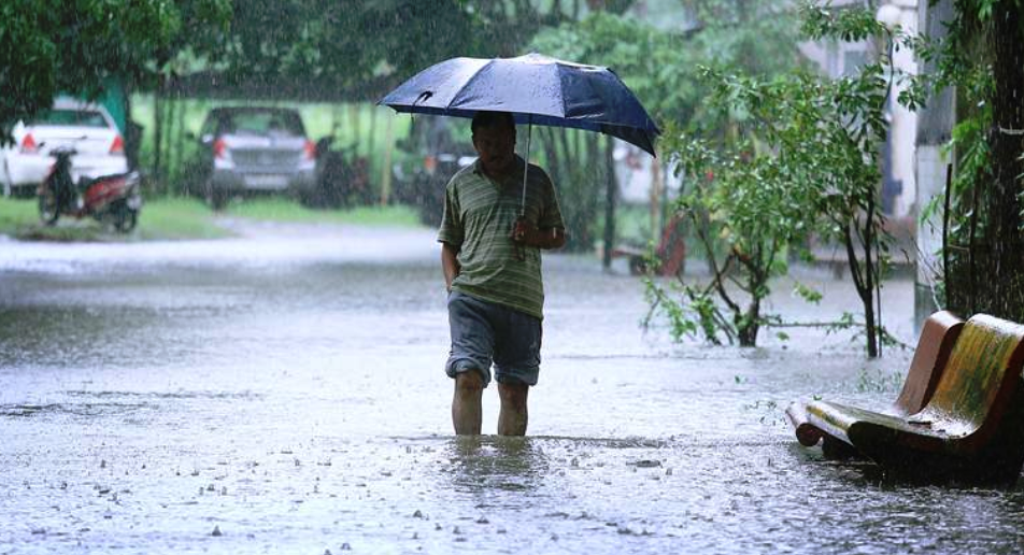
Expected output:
(86, 127)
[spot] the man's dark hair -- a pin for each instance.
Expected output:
(492, 119)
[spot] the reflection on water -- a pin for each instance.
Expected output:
(490, 465)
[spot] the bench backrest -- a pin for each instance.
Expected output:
(938, 335)
(981, 375)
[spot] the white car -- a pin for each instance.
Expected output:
(87, 128)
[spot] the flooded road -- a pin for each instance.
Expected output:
(283, 392)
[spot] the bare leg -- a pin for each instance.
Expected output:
(513, 416)
(466, 407)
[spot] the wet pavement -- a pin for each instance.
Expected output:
(283, 392)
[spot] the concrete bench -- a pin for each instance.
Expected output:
(970, 429)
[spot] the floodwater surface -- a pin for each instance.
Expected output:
(283, 392)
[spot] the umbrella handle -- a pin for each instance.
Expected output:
(526, 164)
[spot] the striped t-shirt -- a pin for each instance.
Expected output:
(479, 213)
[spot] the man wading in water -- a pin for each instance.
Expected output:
(491, 261)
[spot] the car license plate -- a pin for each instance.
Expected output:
(267, 180)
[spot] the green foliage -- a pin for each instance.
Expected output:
(327, 45)
(801, 157)
(662, 69)
(697, 315)
(825, 22)
(808, 294)
(977, 57)
(343, 43)
(754, 37)
(746, 203)
(76, 47)
(346, 49)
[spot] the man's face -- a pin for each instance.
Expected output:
(496, 147)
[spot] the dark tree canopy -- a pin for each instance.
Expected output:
(356, 49)
(286, 49)
(981, 57)
(75, 47)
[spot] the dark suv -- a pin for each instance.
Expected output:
(248, 150)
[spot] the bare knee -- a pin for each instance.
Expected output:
(469, 382)
(513, 418)
(514, 395)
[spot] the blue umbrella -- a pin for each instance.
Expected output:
(536, 89)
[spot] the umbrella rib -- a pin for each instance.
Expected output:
(466, 85)
(565, 109)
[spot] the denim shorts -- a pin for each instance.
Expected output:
(485, 332)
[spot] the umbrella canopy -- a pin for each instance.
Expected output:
(536, 89)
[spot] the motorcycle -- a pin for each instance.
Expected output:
(110, 199)
(342, 177)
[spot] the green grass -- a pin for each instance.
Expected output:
(178, 218)
(17, 213)
(160, 219)
(183, 218)
(283, 210)
(19, 218)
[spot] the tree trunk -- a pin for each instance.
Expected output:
(870, 275)
(371, 146)
(165, 174)
(385, 174)
(1006, 297)
(563, 136)
(179, 151)
(747, 332)
(158, 127)
(862, 282)
(611, 187)
(132, 139)
(355, 121)
(657, 204)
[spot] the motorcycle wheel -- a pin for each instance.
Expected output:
(49, 209)
(124, 218)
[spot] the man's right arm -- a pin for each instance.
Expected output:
(449, 264)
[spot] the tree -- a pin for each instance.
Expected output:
(661, 67)
(804, 156)
(75, 47)
(747, 203)
(331, 50)
(981, 57)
